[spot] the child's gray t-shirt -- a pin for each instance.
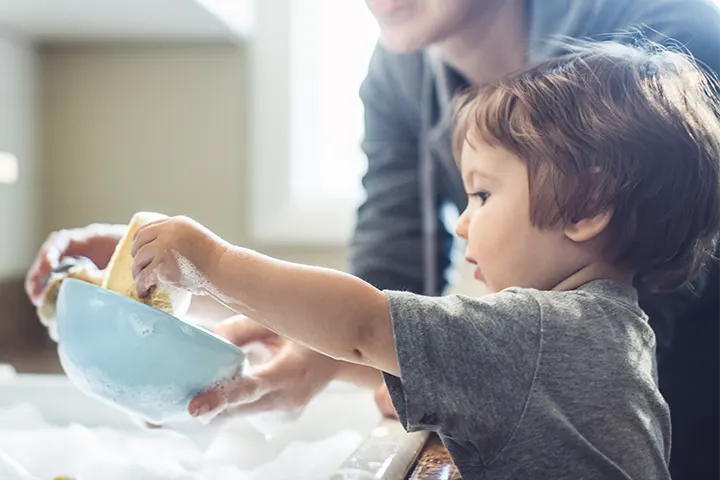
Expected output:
(528, 384)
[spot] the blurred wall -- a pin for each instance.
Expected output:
(143, 128)
(20, 202)
(151, 127)
(148, 127)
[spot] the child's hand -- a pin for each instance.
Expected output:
(176, 251)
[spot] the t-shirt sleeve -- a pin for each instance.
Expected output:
(466, 365)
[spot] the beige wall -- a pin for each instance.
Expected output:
(151, 128)
(20, 201)
(128, 128)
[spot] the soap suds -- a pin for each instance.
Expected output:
(203, 286)
(160, 403)
(309, 448)
(192, 274)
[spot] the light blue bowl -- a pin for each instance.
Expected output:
(136, 357)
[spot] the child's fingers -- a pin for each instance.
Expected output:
(146, 280)
(241, 330)
(149, 226)
(143, 236)
(142, 259)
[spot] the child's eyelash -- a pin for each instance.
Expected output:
(482, 195)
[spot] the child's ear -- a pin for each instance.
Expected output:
(588, 228)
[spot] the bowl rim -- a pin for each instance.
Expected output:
(153, 310)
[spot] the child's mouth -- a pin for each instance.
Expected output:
(478, 275)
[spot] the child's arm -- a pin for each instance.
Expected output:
(332, 312)
(461, 356)
(329, 311)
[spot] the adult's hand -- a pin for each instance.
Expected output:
(96, 242)
(286, 382)
(382, 400)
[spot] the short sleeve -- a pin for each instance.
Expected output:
(466, 365)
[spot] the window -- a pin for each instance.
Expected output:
(331, 45)
(8, 168)
(308, 58)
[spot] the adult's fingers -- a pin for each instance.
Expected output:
(241, 330)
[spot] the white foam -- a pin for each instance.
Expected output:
(201, 285)
(11, 470)
(7, 372)
(236, 451)
(21, 416)
(93, 382)
(306, 448)
(53, 332)
(192, 274)
(163, 400)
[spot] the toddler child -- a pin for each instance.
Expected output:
(584, 174)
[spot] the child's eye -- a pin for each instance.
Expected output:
(483, 196)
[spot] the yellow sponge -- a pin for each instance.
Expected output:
(119, 278)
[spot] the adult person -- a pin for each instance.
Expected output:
(430, 50)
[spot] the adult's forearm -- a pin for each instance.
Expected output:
(360, 375)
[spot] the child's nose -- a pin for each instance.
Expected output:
(462, 225)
